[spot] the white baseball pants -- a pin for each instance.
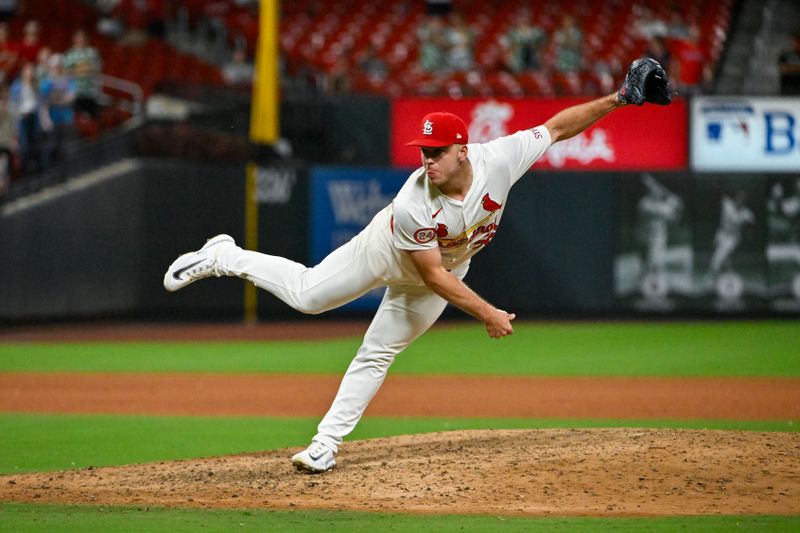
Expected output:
(406, 312)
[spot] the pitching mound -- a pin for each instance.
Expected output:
(531, 472)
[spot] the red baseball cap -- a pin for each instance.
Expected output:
(441, 129)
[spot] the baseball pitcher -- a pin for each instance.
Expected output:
(419, 247)
(734, 214)
(657, 209)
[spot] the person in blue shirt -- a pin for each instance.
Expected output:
(57, 92)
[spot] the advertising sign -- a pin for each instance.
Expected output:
(729, 242)
(635, 138)
(745, 134)
(343, 202)
(725, 243)
(654, 263)
(783, 242)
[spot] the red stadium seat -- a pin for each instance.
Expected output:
(536, 84)
(314, 35)
(568, 84)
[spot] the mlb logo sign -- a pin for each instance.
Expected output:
(728, 122)
(739, 129)
(745, 134)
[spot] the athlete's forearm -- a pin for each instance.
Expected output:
(459, 294)
(429, 265)
(573, 120)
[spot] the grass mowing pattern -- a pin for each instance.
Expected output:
(32, 518)
(594, 349)
(61, 442)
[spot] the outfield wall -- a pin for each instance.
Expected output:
(102, 250)
(99, 247)
(572, 243)
(605, 224)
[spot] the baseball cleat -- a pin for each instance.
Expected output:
(193, 266)
(315, 459)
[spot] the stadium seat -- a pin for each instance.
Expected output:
(314, 35)
(536, 84)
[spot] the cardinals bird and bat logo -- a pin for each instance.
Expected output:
(484, 228)
(489, 204)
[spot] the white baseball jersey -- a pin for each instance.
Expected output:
(420, 217)
(424, 217)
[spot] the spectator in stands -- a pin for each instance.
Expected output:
(337, 80)
(238, 72)
(108, 23)
(84, 64)
(789, 65)
(460, 44)
(524, 43)
(373, 66)
(646, 24)
(432, 44)
(28, 48)
(26, 109)
(57, 92)
(133, 15)
(8, 55)
(42, 69)
(8, 141)
(676, 26)
(603, 72)
(568, 39)
(692, 71)
(657, 49)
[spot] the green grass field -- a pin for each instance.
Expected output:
(640, 349)
(15, 517)
(38, 442)
(59, 442)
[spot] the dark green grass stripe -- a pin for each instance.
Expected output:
(36, 442)
(33, 518)
(584, 349)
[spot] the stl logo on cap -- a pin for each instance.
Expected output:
(441, 129)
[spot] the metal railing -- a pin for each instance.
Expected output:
(134, 106)
(85, 155)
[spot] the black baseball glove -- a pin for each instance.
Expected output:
(646, 81)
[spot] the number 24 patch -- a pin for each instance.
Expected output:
(424, 235)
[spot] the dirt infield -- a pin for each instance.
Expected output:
(593, 472)
(567, 472)
(598, 472)
(453, 396)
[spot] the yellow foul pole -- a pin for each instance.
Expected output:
(265, 103)
(264, 127)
